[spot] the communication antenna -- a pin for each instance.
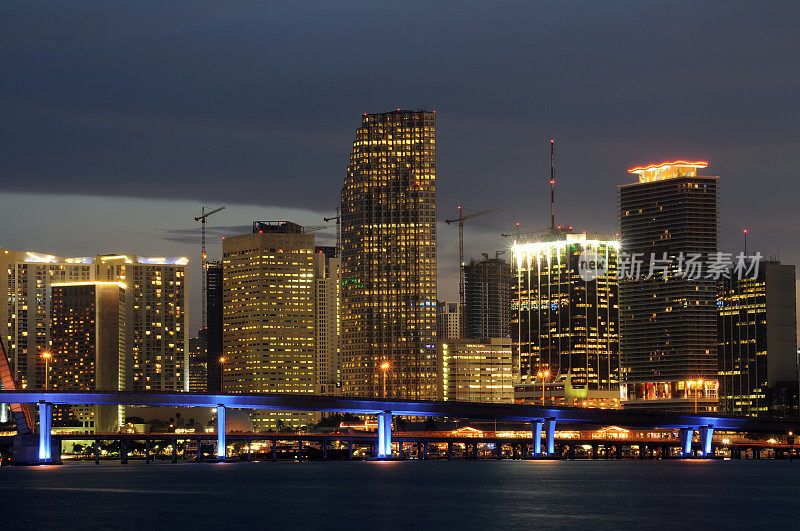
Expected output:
(552, 183)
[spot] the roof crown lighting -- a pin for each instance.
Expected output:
(668, 170)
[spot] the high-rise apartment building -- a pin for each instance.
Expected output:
(487, 299)
(158, 338)
(155, 314)
(757, 335)
(668, 316)
(327, 361)
(388, 225)
(448, 321)
(87, 331)
(564, 321)
(268, 316)
(214, 323)
(476, 371)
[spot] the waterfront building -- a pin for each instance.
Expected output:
(487, 298)
(668, 320)
(214, 324)
(476, 371)
(757, 335)
(448, 321)
(268, 317)
(388, 225)
(327, 361)
(564, 314)
(155, 313)
(87, 331)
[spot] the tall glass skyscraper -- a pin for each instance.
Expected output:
(388, 228)
(564, 321)
(668, 322)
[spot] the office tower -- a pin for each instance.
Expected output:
(158, 338)
(388, 224)
(25, 306)
(198, 362)
(565, 317)
(757, 335)
(214, 323)
(487, 298)
(448, 321)
(476, 371)
(327, 363)
(88, 351)
(268, 316)
(668, 322)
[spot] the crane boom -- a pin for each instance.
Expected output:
(338, 218)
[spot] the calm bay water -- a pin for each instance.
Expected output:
(402, 495)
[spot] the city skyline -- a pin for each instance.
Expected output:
(159, 145)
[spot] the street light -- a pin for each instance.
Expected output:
(543, 375)
(384, 368)
(46, 355)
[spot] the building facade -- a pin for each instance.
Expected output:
(214, 323)
(198, 359)
(668, 319)
(487, 299)
(388, 226)
(477, 371)
(757, 335)
(87, 351)
(327, 363)
(565, 313)
(155, 313)
(268, 317)
(448, 321)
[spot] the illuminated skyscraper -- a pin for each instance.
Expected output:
(158, 338)
(88, 351)
(388, 228)
(198, 360)
(155, 316)
(564, 321)
(668, 322)
(268, 316)
(327, 363)
(487, 294)
(757, 335)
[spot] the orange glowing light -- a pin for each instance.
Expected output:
(663, 165)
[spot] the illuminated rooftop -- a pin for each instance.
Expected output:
(668, 170)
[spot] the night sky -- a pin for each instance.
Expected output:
(121, 119)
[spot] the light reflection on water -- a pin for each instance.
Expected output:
(402, 495)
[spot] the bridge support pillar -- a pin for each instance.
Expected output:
(147, 450)
(324, 450)
(222, 448)
(350, 450)
(274, 450)
(536, 434)
(300, 451)
(498, 449)
(595, 449)
(706, 433)
(550, 436)
(123, 452)
(45, 427)
(686, 441)
(385, 435)
(449, 451)
(175, 451)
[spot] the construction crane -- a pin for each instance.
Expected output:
(460, 220)
(338, 218)
(533, 232)
(204, 282)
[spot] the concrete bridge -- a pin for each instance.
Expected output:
(542, 419)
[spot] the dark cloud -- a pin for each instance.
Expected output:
(258, 102)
